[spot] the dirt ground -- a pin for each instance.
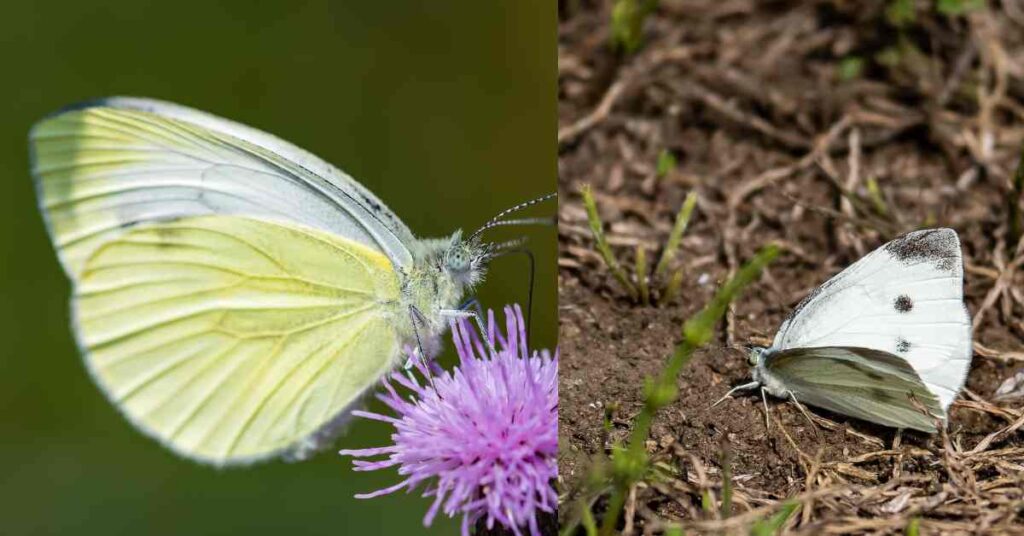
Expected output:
(828, 127)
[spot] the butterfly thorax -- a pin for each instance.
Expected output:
(444, 271)
(762, 375)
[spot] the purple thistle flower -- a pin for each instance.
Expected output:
(483, 438)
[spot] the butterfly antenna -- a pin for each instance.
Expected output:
(513, 247)
(497, 220)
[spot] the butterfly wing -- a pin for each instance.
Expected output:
(231, 339)
(104, 166)
(232, 292)
(867, 384)
(906, 299)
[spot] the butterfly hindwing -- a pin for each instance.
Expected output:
(231, 339)
(904, 299)
(859, 382)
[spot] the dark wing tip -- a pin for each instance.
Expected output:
(74, 107)
(939, 245)
(113, 101)
(101, 102)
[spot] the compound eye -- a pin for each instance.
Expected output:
(458, 262)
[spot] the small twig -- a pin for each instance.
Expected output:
(803, 458)
(992, 353)
(775, 174)
(730, 110)
(983, 406)
(630, 512)
(852, 183)
(1013, 202)
(600, 113)
(750, 516)
(1001, 285)
(812, 474)
(994, 436)
(897, 464)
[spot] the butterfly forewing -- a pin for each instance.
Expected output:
(860, 382)
(233, 293)
(116, 163)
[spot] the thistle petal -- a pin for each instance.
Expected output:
(482, 438)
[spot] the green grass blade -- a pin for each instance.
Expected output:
(875, 193)
(682, 221)
(901, 13)
(666, 163)
(627, 23)
(631, 462)
(672, 288)
(772, 525)
(641, 275)
(589, 524)
(597, 229)
(707, 504)
(958, 8)
(726, 485)
(698, 330)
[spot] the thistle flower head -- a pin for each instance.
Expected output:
(483, 438)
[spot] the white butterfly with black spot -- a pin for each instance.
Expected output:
(887, 340)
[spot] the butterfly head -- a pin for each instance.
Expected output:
(756, 355)
(758, 369)
(465, 261)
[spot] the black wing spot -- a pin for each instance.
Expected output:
(903, 304)
(902, 345)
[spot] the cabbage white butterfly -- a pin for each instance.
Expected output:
(887, 340)
(232, 293)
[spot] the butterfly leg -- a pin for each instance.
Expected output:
(474, 304)
(416, 316)
(750, 385)
(479, 318)
(803, 410)
(764, 398)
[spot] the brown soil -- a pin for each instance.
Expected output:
(749, 97)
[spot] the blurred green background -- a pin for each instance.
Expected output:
(445, 109)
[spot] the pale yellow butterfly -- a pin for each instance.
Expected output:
(234, 295)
